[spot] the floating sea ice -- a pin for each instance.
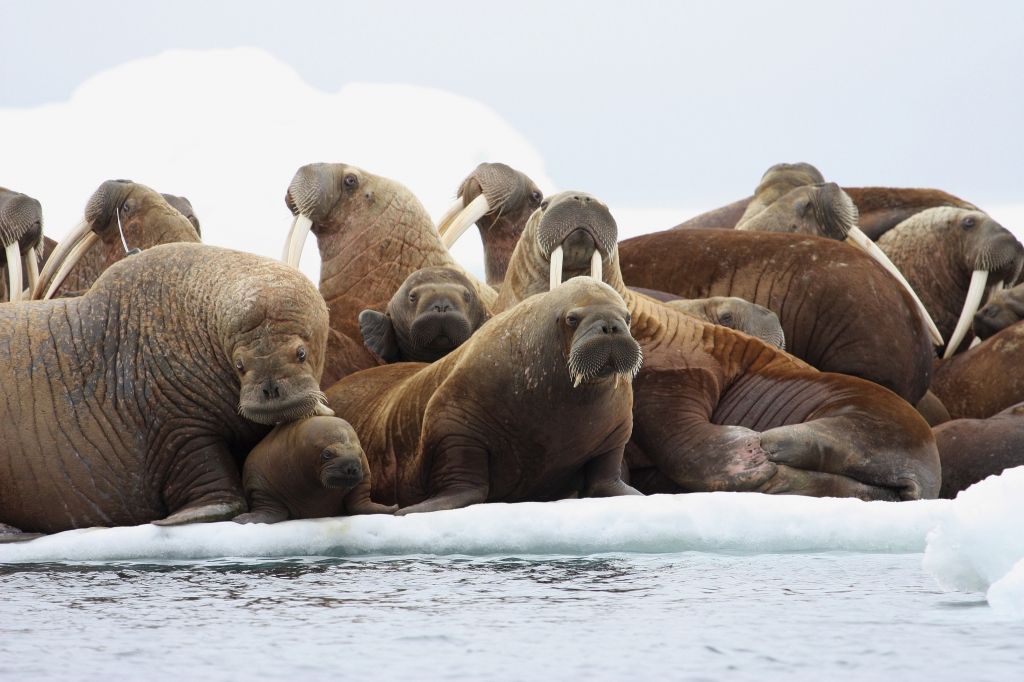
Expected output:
(1006, 595)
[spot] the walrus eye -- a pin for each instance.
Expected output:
(302, 354)
(968, 222)
(465, 297)
(725, 319)
(535, 195)
(238, 365)
(412, 298)
(350, 181)
(572, 320)
(127, 207)
(325, 455)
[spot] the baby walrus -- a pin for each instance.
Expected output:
(308, 469)
(434, 311)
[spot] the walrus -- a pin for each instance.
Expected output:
(308, 469)
(778, 181)
(951, 256)
(498, 199)
(21, 234)
(1003, 309)
(974, 449)
(432, 313)
(984, 380)
(715, 409)
(121, 218)
(535, 406)
(372, 233)
(139, 401)
(184, 207)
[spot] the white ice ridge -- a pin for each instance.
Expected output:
(978, 544)
(743, 522)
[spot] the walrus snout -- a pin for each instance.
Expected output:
(278, 387)
(344, 470)
(995, 249)
(568, 212)
(602, 345)
(440, 327)
(834, 211)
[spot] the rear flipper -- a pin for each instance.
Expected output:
(12, 534)
(217, 511)
(790, 481)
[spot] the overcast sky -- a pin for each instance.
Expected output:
(643, 104)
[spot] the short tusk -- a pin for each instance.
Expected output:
(556, 267)
(975, 342)
(476, 210)
(323, 411)
(979, 278)
(70, 262)
(858, 238)
(296, 240)
(446, 220)
(32, 261)
(56, 259)
(14, 272)
(595, 265)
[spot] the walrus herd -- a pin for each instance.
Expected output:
(810, 339)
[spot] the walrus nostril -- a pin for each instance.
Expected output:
(270, 389)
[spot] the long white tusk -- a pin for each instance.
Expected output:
(860, 239)
(556, 267)
(979, 278)
(79, 232)
(32, 261)
(476, 210)
(70, 262)
(288, 240)
(14, 272)
(446, 220)
(595, 265)
(296, 240)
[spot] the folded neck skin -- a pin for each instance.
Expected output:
(372, 233)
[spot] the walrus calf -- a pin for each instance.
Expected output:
(308, 469)
(535, 406)
(434, 312)
(139, 401)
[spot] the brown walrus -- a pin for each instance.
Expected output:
(951, 256)
(184, 207)
(21, 236)
(121, 217)
(434, 312)
(1003, 309)
(973, 449)
(372, 233)
(138, 401)
(308, 469)
(715, 409)
(985, 379)
(535, 406)
(498, 199)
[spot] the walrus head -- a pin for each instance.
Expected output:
(433, 313)
(21, 233)
(594, 323)
(736, 313)
(1004, 308)
(824, 210)
(338, 459)
(574, 231)
(499, 200)
(184, 207)
(126, 217)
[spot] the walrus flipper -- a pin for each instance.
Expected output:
(379, 334)
(12, 534)
(217, 511)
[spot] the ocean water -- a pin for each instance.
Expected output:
(687, 615)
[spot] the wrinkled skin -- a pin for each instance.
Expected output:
(831, 298)
(973, 449)
(372, 234)
(124, 404)
(21, 221)
(308, 469)
(434, 312)
(499, 419)
(1004, 308)
(147, 220)
(984, 380)
(718, 410)
(511, 197)
(939, 248)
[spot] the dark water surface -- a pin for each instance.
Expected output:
(679, 616)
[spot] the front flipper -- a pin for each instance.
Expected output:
(217, 511)
(12, 534)
(379, 334)
(358, 499)
(604, 476)
(449, 499)
(203, 487)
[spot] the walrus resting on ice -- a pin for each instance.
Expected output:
(535, 406)
(973, 449)
(308, 469)
(433, 313)
(138, 401)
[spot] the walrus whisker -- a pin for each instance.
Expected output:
(979, 278)
(556, 267)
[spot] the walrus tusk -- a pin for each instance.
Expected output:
(476, 210)
(79, 232)
(979, 278)
(860, 239)
(70, 262)
(556, 267)
(14, 272)
(449, 215)
(32, 260)
(975, 342)
(323, 411)
(595, 265)
(296, 240)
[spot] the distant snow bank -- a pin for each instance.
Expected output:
(742, 522)
(978, 544)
